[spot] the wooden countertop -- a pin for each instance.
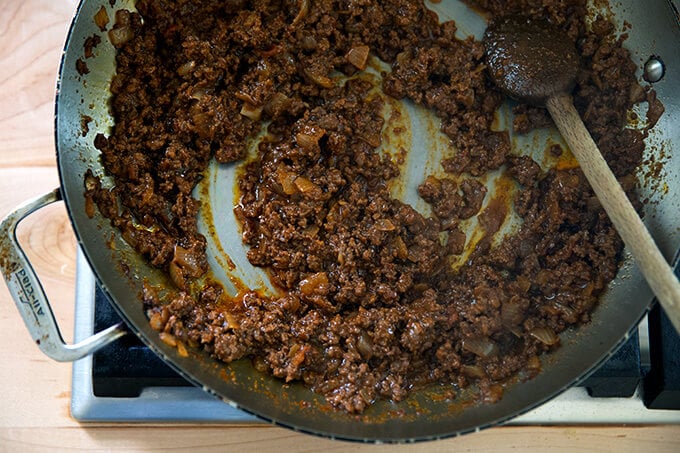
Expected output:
(35, 391)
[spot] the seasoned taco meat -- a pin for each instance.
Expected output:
(376, 298)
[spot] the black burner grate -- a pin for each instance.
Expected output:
(127, 366)
(662, 384)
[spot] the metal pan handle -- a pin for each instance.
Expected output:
(29, 296)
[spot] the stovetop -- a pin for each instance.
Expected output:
(127, 382)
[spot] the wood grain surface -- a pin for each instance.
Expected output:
(35, 391)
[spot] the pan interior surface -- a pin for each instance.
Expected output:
(83, 97)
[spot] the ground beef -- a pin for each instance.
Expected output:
(374, 304)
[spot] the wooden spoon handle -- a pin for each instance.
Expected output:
(653, 265)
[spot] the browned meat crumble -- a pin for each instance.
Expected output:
(372, 306)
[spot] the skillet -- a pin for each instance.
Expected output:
(423, 416)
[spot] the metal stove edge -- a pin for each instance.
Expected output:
(193, 405)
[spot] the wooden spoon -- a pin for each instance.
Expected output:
(534, 62)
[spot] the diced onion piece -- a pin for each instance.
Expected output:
(545, 335)
(250, 111)
(155, 322)
(304, 10)
(245, 97)
(182, 350)
(101, 18)
(277, 104)
(365, 345)
(198, 93)
(203, 122)
(482, 346)
(340, 258)
(384, 225)
(122, 17)
(177, 275)
(187, 260)
(120, 35)
(231, 320)
(89, 206)
(333, 212)
(400, 248)
(473, 371)
(311, 231)
(511, 313)
(289, 303)
(287, 181)
(91, 181)
(314, 284)
(305, 185)
(186, 68)
(297, 355)
(319, 79)
(294, 350)
(158, 319)
(358, 56)
(308, 138)
(567, 313)
(168, 339)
